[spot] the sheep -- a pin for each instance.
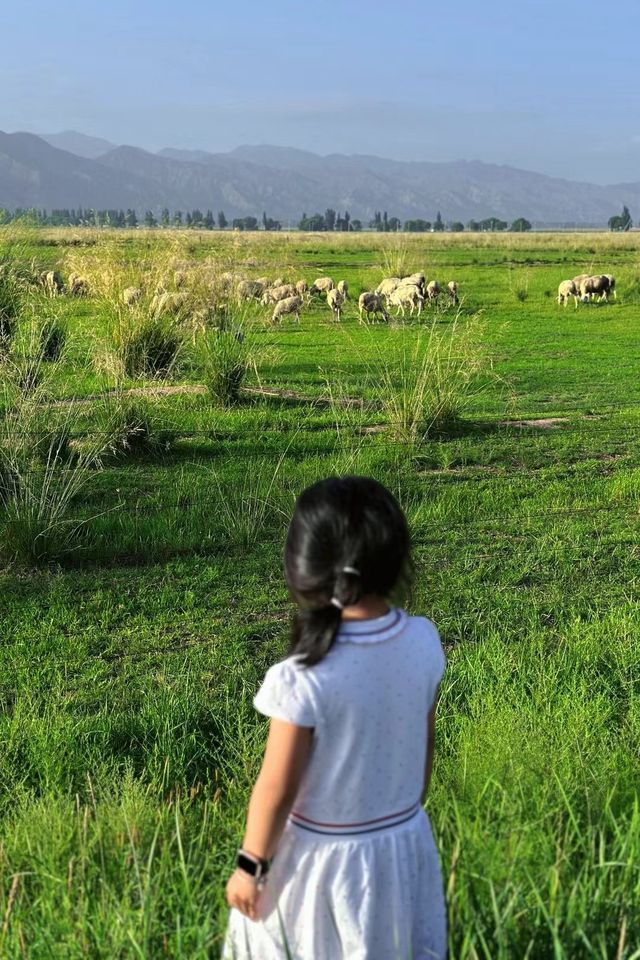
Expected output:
(52, 282)
(286, 306)
(371, 303)
(250, 290)
(282, 292)
(612, 285)
(343, 287)
(388, 285)
(168, 304)
(302, 288)
(335, 300)
(278, 282)
(406, 295)
(417, 279)
(596, 286)
(131, 295)
(452, 289)
(78, 286)
(433, 291)
(578, 280)
(322, 285)
(567, 289)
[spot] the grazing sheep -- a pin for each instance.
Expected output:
(168, 304)
(52, 282)
(302, 288)
(78, 286)
(371, 303)
(578, 280)
(596, 286)
(388, 285)
(417, 279)
(286, 306)
(131, 295)
(567, 289)
(612, 285)
(282, 292)
(452, 290)
(343, 287)
(322, 285)
(406, 295)
(335, 299)
(433, 291)
(278, 282)
(250, 290)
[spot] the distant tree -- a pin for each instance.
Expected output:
(473, 225)
(394, 224)
(188, 218)
(385, 222)
(316, 222)
(417, 226)
(269, 223)
(5, 216)
(149, 219)
(245, 223)
(209, 222)
(165, 217)
(456, 227)
(177, 218)
(376, 223)
(222, 220)
(438, 225)
(356, 225)
(493, 224)
(330, 219)
(621, 222)
(521, 225)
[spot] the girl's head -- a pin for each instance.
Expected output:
(351, 522)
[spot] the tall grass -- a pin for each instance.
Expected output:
(140, 343)
(425, 385)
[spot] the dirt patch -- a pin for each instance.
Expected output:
(545, 423)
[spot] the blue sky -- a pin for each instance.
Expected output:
(548, 86)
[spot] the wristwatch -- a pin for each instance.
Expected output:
(254, 866)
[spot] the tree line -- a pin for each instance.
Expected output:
(329, 221)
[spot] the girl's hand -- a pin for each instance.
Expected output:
(243, 893)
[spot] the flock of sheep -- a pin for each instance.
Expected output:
(586, 287)
(399, 292)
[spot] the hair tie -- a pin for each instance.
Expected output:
(352, 570)
(336, 603)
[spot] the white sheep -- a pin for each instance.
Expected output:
(452, 290)
(371, 303)
(406, 295)
(612, 285)
(596, 286)
(302, 288)
(417, 279)
(52, 282)
(78, 286)
(168, 304)
(335, 300)
(282, 292)
(250, 290)
(567, 289)
(286, 306)
(322, 285)
(388, 285)
(343, 287)
(433, 291)
(131, 295)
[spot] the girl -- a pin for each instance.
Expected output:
(338, 860)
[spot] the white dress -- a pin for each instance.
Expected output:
(356, 875)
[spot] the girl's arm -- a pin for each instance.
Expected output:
(285, 761)
(431, 743)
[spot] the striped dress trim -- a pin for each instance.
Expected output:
(345, 829)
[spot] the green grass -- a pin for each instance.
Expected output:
(127, 669)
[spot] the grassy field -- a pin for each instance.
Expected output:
(140, 614)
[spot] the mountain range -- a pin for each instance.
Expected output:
(72, 170)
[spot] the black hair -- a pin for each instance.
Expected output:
(341, 522)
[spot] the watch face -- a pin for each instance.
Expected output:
(249, 866)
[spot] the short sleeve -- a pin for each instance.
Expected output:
(436, 658)
(286, 694)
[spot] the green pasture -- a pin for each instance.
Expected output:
(134, 640)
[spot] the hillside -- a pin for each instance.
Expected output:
(285, 182)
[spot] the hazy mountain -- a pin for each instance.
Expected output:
(286, 182)
(34, 174)
(78, 143)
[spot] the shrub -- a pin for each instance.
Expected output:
(425, 387)
(133, 425)
(224, 358)
(143, 344)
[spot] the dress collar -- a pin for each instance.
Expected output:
(374, 630)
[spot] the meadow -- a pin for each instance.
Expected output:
(143, 510)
